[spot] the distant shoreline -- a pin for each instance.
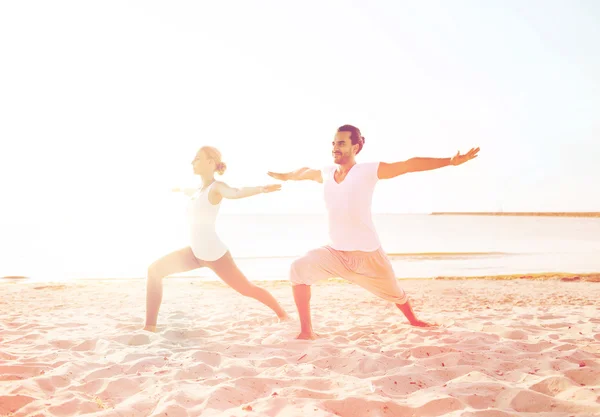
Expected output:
(517, 213)
(275, 282)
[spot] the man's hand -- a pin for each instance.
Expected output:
(461, 159)
(271, 188)
(279, 176)
(418, 164)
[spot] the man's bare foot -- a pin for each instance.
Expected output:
(149, 328)
(421, 323)
(307, 336)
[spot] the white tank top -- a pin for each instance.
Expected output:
(202, 217)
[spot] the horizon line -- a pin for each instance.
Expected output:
(436, 213)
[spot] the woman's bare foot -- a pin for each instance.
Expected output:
(149, 328)
(283, 318)
(307, 336)
(421, 323)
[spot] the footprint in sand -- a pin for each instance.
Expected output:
(443, 323)
(277, 338)
(85, 346)
(138, 340)
(177, 315)
(196, 333)
(210, 358)
(128, 326)
(174, 335)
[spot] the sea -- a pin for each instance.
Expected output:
(264, 245)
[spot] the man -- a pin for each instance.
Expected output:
(355, 252)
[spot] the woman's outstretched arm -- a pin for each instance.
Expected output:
(187, 191)
(234, 193)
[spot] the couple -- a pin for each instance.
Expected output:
(354, 252)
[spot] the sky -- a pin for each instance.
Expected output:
(103, 105)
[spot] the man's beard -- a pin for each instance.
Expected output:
(340, 158)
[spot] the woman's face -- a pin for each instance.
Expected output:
(202, 164)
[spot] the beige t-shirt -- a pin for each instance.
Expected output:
(348, 205)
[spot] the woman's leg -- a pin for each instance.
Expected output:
(181, 260)
(228, 271)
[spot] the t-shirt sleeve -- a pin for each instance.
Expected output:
(326, 171)
(370, 171)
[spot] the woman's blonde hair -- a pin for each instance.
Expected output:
(214, 154)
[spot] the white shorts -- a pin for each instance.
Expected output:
(207, 246)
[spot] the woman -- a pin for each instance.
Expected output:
(206, 249)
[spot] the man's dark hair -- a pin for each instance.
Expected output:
(355, 135)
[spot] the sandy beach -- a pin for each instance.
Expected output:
(505, 348)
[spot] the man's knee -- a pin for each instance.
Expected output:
(386, 289)
(300, 271)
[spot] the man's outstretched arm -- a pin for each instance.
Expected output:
(391, 170)
(298, 175)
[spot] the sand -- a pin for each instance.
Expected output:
(505, 348)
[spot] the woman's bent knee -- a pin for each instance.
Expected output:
(154, 272)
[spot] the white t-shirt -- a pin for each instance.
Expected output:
(348, 205)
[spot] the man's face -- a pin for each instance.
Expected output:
(343, 150)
